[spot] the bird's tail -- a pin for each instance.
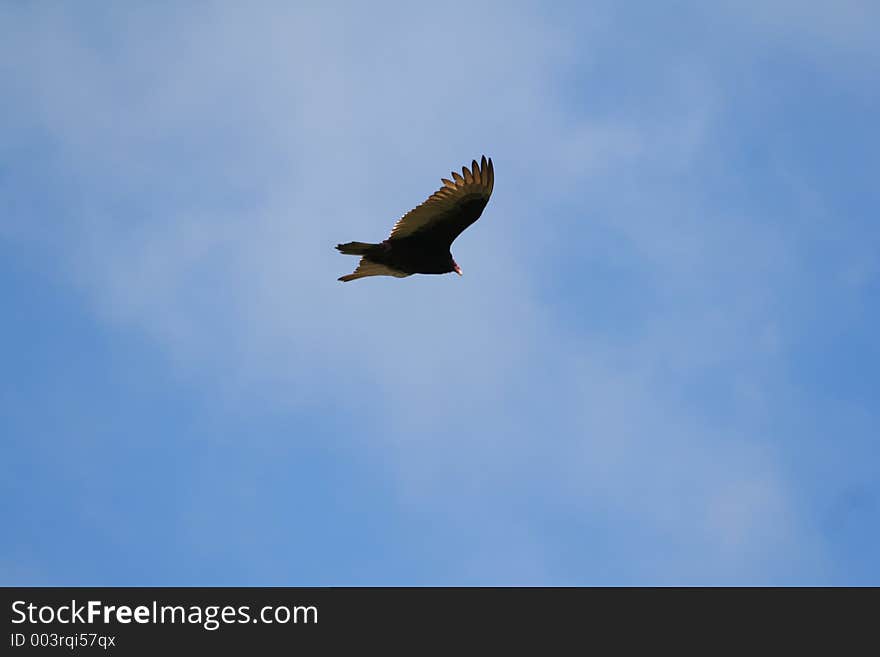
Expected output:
(357, 248)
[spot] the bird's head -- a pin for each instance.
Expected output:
(456, 268)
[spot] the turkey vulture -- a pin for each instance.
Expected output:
(419, 242)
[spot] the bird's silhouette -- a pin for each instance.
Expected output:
(420, 241)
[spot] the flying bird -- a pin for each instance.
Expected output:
(420, 241)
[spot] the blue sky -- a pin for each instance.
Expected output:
(660, 366)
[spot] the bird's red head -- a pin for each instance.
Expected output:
(456, 268)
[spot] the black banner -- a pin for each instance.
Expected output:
(153, 620)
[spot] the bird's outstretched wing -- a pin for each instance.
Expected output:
(452, 208)
(367, 267)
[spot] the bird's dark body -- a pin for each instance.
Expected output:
(414, 255)
(420, 242)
